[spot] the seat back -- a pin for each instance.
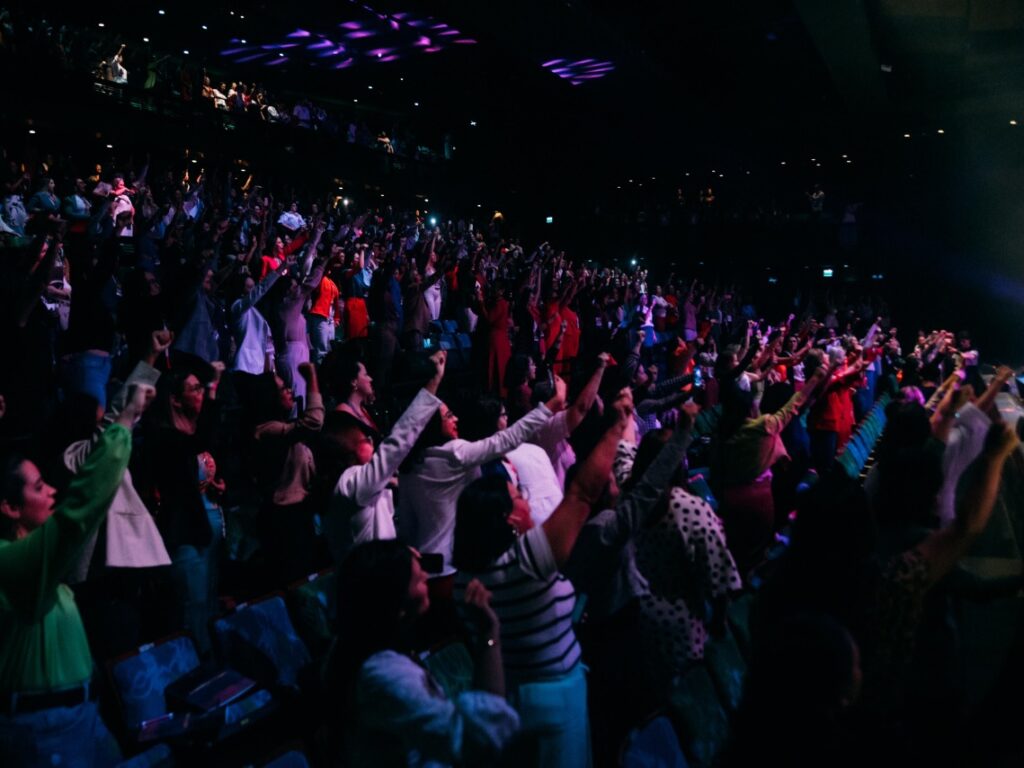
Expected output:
(653, 745)
(313, 602)
(727, 667)
(703, 723)
(140, 678)
(259, 640)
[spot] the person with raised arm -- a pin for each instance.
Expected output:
(362, 506)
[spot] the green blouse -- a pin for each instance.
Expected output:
(42, 640)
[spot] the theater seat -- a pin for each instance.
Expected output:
(259, 640)
(155, 757)
(653, 745)
(728, 668)
(312, 602)
(140, 678)
(703, 722)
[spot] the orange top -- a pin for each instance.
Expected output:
(324, 298)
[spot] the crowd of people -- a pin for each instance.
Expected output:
(210, 392)
(143, 69)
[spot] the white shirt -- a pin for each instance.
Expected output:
(362, 507)
(404, 719)
(965, 443)
(553, 437)
(431, 490)
(537, 477)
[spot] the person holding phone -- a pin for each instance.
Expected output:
(391, 707)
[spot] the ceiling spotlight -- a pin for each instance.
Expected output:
(185, 51)
(426, 199)
(241, 16)
(906, 135)
(281, 55)
(687, 173)
(101, 25)
(382, 194)
(813, 160)
(380, 55)
(415, 103)
(32, 131)
(940, 131)
(844, 157)
(816, 165)
(1013, 122)
(162, 12)
(401, 79)
(849, 162)
(110, 146)
(478, 205)
(355, 101)
(783, 162)
(748, 173)
(369, 87)
(203, 27)
(472, 123)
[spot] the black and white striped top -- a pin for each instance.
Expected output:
(535, 605)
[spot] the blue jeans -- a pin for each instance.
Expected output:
(554, 718)
(69, 737)
(195, 577)
(321, 334)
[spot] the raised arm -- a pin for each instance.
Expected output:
(565, 523)
(588, 395)
(365, 483)
(32, 567)
(942, 549)
(988, 397)
(474, 454)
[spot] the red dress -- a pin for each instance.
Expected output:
(499, 348)
(570, 343)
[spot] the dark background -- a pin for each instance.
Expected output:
(731, 87)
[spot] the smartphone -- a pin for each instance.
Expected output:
(431, 562)
(698, 379)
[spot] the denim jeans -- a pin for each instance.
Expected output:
(554, 718)
(321, 334)
(68, 737)
(195, 577)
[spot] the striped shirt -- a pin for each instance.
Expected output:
(534, 603)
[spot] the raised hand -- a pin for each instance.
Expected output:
(440, 360)
(139, 398)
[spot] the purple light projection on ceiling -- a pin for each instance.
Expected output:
(580, 71)
(379, 38)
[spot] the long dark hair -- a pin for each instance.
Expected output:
(373, 594)
(646, 453)
(429, 437)
(12, 489)
(482, 530)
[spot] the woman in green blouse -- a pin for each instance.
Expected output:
(47, 712)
